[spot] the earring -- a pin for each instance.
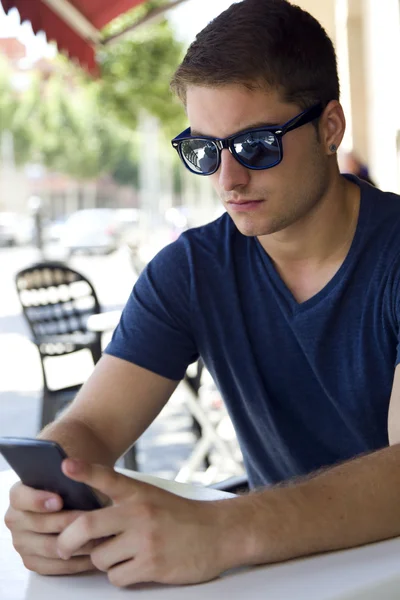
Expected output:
(333, 148)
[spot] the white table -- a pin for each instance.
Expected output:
(104, 321)
(367, 573)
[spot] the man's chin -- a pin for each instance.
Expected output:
(254, 229)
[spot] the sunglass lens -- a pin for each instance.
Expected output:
(201, 156)
(257, 150)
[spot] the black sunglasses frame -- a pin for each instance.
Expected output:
(307, 116)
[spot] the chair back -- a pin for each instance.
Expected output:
(56, 302)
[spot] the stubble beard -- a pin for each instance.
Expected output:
(294, 209)
(289, 207)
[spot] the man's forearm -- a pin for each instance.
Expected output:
(348, 505)
(78, 440)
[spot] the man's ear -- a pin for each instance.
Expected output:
(332, 126)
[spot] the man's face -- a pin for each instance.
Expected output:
(282, 195)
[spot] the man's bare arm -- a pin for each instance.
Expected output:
(112, 409)
(351, 504)
(346, 506)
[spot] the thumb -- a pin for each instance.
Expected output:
(104, 479)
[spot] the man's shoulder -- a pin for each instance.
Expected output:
(382, 200)
(379, 229)
(209, 243)
(379, 215)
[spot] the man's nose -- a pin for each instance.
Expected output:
(231, 174)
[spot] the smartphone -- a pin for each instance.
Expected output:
(38, 465)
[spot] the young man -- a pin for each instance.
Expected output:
(291, 298)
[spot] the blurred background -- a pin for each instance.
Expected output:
(88, 176)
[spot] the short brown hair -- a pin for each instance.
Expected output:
(263, 44)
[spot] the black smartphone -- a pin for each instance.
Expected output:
(38, 465)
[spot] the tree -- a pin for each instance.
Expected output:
(7, 99)
(84, 127)
(25, 127)
(136, 72)
(15, 113)
(78, 140)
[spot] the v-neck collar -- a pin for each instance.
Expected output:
(296, 307)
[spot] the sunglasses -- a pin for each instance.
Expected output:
(259, 148)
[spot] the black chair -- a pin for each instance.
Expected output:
(57, 302)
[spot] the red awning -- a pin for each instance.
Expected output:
(73, 24)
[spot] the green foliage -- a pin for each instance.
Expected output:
(7, 99)
(15, 115)
(130, 17)
(84, 127)
(135, 74)
(23, 125)
(78, 140)
(126, 170)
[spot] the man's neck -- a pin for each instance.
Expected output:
(324, 235)
(309, 254)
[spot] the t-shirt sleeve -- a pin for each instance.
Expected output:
(155, 330)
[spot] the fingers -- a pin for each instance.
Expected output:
(27, 543)
(128, 573)
(26, 498)
(51, 566)
(35, 528)
(112, 552)
(121, 575)
(101, 478)
(91, 525)
(16, 521)
(45, 546)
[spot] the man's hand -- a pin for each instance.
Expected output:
(35, 520)
(153, 535)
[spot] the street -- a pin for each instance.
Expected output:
(169, 440)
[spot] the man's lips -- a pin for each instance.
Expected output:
(243, 201)
(244, 205)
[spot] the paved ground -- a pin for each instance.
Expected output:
(168, 441)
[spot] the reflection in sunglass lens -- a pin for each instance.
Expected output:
(258, 149)
(201, 156)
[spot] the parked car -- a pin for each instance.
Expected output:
(92, 230)
(128, 220)
(53, 230)
(15, 229)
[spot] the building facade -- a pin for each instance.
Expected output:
(366, 34)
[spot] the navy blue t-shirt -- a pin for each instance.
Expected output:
(306, 384)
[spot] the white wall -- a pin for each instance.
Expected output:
(382, 58)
